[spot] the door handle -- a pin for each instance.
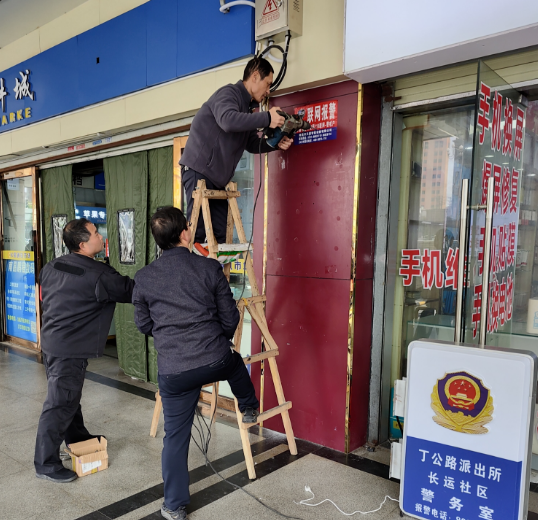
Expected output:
(463, 247)
(487, 262)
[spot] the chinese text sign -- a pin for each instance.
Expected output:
(20, 298)
(323, 119)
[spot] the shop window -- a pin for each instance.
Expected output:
(89, 195)
(428, 232)
(517, 300)
(244, 177)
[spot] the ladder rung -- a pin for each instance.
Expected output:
(234, 247)
(255, 299)
(259, 357)
(277, 410)
(220, 194)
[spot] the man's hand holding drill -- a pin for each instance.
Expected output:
(276, 119)
(285, 143)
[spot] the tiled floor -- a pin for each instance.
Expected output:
(121, 409)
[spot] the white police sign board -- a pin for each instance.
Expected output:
(468, 432)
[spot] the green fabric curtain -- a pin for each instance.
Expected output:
(161, 168)
(126, 180)
(57, 190)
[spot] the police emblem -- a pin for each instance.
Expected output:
(462, 403)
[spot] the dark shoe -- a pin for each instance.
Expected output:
(178, 514)
(250, 415)
(61, 476)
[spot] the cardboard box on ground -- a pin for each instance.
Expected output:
(89, 456)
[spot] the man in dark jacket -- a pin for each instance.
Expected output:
(221, 131)
(184, 301)
(79, 295)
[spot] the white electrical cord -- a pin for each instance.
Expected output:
(308, 490)
(270, 54)
(227, 6)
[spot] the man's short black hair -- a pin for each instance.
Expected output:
(257, 64)
(76, 232)
(167, 224)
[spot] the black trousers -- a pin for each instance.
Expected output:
(217, 207)
(61, 418)
(179, 394)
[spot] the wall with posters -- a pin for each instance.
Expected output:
(309, 260)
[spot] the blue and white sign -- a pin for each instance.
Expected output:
(469, 418)
(20, 299)
(323, 119)
(95, 215)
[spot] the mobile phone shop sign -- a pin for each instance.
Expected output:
(467, 432)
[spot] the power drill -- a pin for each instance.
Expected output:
(292, 123)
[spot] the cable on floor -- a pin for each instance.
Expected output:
(204, 441)
(308, 490)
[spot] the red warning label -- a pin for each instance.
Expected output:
(270, 12)
(270, 7)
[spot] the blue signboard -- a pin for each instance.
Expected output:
(314, 136)
(20, 299)
(99, 181)
(468, 419)
(95, 215)
(452, 483)
(138, 49)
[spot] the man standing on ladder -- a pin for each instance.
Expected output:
(221, 131)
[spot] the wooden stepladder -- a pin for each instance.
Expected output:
(254, 305)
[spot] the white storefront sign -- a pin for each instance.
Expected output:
(468, 429)
(388, 39)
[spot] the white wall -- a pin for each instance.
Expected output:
(392, 38)
(20, 17)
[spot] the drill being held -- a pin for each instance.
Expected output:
(292, 123)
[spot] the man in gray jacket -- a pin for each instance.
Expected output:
(221, 131)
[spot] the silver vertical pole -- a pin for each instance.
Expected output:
(487, 261)
(463, 247)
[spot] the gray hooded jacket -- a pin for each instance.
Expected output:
(221, 131)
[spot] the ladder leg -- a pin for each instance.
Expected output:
(281, 400)
(214, 398)
(247, 450)
(195, 215)
(277, 383)
(156, 415)
(211, 242)
(239, 331)
(231, 186)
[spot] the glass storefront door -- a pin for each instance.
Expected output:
(20, 257)
(432, 153)
(436, 154)
(505, 148)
